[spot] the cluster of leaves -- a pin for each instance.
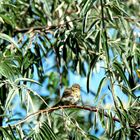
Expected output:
(43, 41)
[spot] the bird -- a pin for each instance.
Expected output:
(71, 96)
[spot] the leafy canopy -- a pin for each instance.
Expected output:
(43, 42)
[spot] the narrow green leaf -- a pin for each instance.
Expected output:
(105, 45)
(101, 99)
(12, 93)
(44, 133)
(126, 63)
(39, 136)
(121, 104)
(93, 137)
(9, 39)
(28, 80)
(92, 25)
(6, 133)
(119, 10)
(123, 134)
(127, 91)
(111, 124)
(7, 19)
(95, 120)
(52, 135)
(86, 6)
(2, 84)
(118, 67)
(92, 64)
(137, 86)
(109, 128)
(102, 117)
(120, 116)
(8, 70)
(109, 12)
(12, 133)
(19, 132)
(98, 41)
(100, 88)
(85, 22)
(9, 5)
(65, 52)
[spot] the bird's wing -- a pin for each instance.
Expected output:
(67, 92)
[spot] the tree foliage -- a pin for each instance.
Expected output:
(42, 42)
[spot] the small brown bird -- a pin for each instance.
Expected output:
(70, 96)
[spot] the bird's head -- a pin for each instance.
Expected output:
(76, 88)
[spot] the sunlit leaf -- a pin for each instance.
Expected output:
(11, 96)
(28, 80)
(9, 39)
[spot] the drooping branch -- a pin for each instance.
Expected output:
(50, 110)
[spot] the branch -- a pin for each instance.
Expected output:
(93, 109)
(18, 30)
(46, 28)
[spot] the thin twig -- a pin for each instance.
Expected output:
(46, 28)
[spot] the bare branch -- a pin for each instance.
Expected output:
(90, 108)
